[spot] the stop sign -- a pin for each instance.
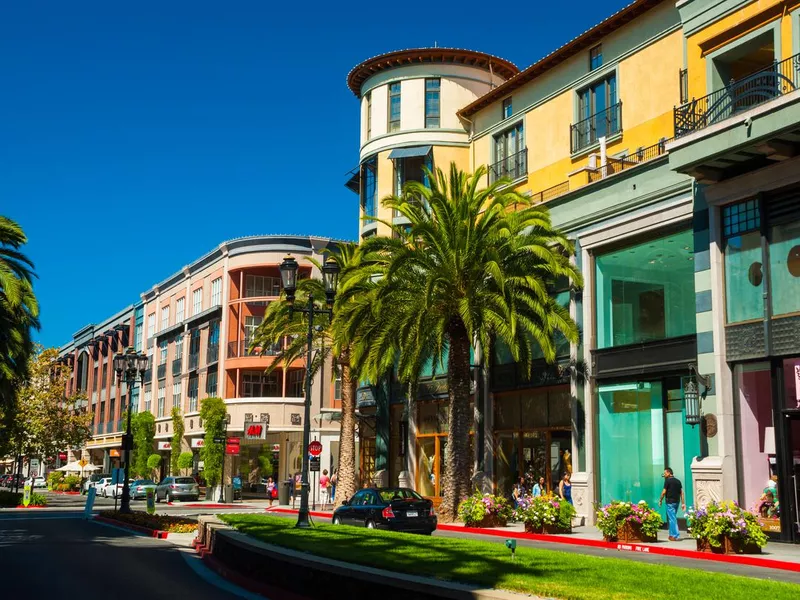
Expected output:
(315, 448)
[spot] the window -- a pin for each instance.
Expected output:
(151, 325)
(784, 268)
(596, 57)
(646, 292)
(138, 337)
(104, 380)
(148, 398)
(510, 157)
(257, 384)
(432, 92)
(337, 387)
(178, 347)
(162, 346)
(250, 326)
(744, 272)
(369, 187)
(683, 83)
(394, 107)
(411, 169)
(295, 381)
(197, 301)
(161, 398)
(164, 318)
(176, 394)
(134, 405)
(194, 342)
(599, 113)
(257, 286)
(368, 105)
(193, 384)
(507, 108)
(216, 292)
(179, 309)
(211, 384)
(213, 334)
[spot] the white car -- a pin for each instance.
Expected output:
(37, 482)
(100, 486)
(115, 491)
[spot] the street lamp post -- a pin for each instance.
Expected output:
(129, 364)
(330, 278)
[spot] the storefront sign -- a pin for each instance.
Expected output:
(255, 431)
(276, 447)
(113, 453)
(198, 443)
(313, 464)
(232, 445)
(164, 445)
(34, 470)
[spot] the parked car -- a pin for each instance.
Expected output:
(5, 480)
(139, 488)
(36, 482)
(398, 509)
(115, 490)
(90, 481)
(177, 488)
(100, 486)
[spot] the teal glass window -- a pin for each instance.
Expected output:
(740, 218)
(784, 268)
(369, 188)
(432, 91)
(646, 292)
(595, 58)
(744, 278)
(394, 107)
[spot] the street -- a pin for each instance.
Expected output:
(61, 554)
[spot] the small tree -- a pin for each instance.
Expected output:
(212, 411)
(143, 428)
(177, 438)
(185, 461)
(153, 463)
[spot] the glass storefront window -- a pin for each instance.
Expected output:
(744, 278)
(784, 268)
(646, 292)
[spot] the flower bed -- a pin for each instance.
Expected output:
(14, 500)
(484, 510)
(154, 522)
(545, 514)
(627, 522)
(726, 528)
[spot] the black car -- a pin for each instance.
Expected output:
(396, 509)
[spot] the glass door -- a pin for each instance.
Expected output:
(793, 460)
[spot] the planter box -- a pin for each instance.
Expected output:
(547, 529)
(728, 546)
(630, 532)
(489, 521)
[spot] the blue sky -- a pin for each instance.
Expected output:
(134, 137)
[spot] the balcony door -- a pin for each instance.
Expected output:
(593, 102)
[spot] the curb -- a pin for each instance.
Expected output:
(154, 533)
(30, 506)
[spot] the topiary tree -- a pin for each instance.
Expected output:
(143, 429)
(177, 438)
(213, 413)
(185, 460)
(153, 463)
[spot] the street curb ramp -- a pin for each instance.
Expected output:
(265, 568)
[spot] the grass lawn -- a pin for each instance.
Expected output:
(541, 572)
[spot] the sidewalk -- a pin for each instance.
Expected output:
(775, 555)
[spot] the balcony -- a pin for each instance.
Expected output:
(110, 427)
(588, 132)
(212, 354)
(618, 164)
(194, 361)
(162, 371)
(763, 86)
(512, 167)
(177, 365)
(241, 349)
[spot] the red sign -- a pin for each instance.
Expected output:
(254, 432)
(232, 445)
(62, 456)
(315, 448)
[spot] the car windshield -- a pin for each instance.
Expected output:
(144, 482)
(184, 480)
(389, 494)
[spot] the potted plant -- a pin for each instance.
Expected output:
(545, 514)
(628, 522)
(726, 528)
(484, 510)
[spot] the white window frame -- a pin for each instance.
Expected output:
(176, 394)
(162, 396)
(164, 318)
(216, 292)
(180, 304)
(151, 324)
(197, 301)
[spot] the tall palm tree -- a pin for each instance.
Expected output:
(278, 327)
(466, 269)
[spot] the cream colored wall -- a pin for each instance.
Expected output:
(412, 104)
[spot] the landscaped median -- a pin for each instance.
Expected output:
(153, 525)
(14, 500)
(539, 572)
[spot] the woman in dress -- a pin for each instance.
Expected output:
(565, 488)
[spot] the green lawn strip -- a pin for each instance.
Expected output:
(541, 572)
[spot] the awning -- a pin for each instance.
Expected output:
(354, 180)
(412, 152)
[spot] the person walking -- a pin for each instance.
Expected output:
(539, 488)
(270, 489)
(518, 493)
(565, 488)
(673, 494)
(324, 485)
(334, 479)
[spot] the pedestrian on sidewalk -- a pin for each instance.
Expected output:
(519, 492)
(539, 488)
(565, 488)
(334, 479)
(673, 494)
(270, 489)
(324, 487)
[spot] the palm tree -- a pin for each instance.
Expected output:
(466, 269)
(279, 327)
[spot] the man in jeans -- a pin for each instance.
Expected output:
(673, 492)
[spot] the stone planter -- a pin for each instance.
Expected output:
(547, 529)
(729, 546)
(630, 532)
(490, 521)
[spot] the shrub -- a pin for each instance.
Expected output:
(159, 522)
(10, 499)
(545, 510)
(614, 514)
(38, 499)
(54, 479)
(185, 460)
(73, 482)
(477, 507)
(720, 519)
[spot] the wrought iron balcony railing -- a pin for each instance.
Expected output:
(177, 365)
(616, 165)
(604, 123)
(779, 79)
(162, 371)
(194, 360)
(241, 348)
(550, 193)
(512, 167)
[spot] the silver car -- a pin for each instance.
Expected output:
(177, 488)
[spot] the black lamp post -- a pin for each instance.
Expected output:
(129, 365)
(330, 278)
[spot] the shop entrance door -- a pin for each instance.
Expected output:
(792, 462)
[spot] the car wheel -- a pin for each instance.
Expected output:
(168, 498)
(158, 500)
(337, 521)
(370, 524)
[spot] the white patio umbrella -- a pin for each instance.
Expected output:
(72, 467)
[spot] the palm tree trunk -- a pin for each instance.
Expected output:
(458, 462)
(346, 470)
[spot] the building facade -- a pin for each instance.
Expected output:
(664, 141)
(197, 327)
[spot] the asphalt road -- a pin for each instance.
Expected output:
(62, 554)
